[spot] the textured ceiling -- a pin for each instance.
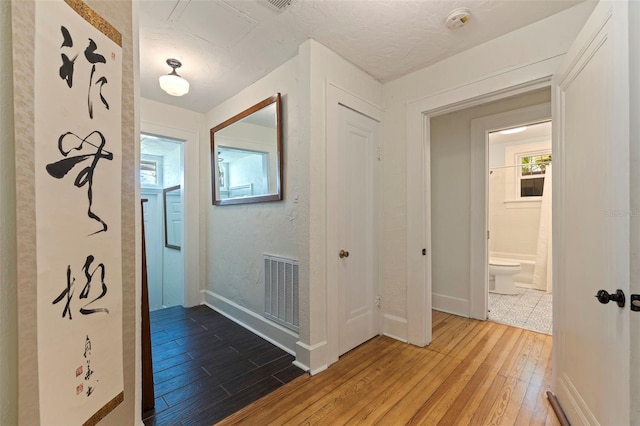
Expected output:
(227, 45)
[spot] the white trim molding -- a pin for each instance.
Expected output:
(311, 358)
(451, 305)
(191, 252)
(395, 327)
(509, 82)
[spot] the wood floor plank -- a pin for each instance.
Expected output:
(465, 406)
(528, 407)
(308, 392)
(472, 373)
(511, 394)
(335, 408)
(242, 417)
(436, 407)
(355, 361)
(399, 388)
(483, 411)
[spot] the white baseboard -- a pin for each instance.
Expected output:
(451, 305)
(395, 327)
(311, 358)
(281, 337)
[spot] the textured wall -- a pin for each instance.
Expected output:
(119, 14)
(239, 234)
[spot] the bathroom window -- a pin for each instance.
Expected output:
(148, 172)
(151, 171)
(531, 174)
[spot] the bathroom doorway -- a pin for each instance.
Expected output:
(519, 189)
(161, 183)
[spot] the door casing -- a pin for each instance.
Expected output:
(479, 251)
(192, 255)
(419, 114)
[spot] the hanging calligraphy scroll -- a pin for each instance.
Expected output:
(78, 101)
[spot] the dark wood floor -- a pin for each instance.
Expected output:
(206, 367)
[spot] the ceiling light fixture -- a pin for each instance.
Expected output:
(172, 83)
(512, 131)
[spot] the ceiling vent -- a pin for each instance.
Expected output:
(278, 5)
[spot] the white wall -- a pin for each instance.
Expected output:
(8, 290)
(514, 227)
(530, 45)
(238, 235)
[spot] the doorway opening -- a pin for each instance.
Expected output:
(519, 226)
(161, 183)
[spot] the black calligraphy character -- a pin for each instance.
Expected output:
(68, 292)
(85, 177)
(89, 390)
(89, 372)
(66, 69)
(87, 346)
(87, 288)
(67, 40)
(95, 58)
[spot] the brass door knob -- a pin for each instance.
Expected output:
(343, 254)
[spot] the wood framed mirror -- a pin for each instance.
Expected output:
(246, 155)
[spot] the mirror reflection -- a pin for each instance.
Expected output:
(246, 155)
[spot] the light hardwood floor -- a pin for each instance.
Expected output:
(473, 372)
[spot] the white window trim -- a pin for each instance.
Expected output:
(512, 156)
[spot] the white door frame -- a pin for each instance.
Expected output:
(419, 113)
(479, 251)
(191, 243)
(337, 97)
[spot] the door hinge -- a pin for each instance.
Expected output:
(487, 234)
(378, 301)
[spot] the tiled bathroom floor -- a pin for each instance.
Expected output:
(530, 309)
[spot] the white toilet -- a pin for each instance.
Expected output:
(502, 271)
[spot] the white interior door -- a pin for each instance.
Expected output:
(153, 244)
(173, 262)
(357, 278)
(591, 221)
